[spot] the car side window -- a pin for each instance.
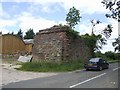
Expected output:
(101, 61)
(104, 61)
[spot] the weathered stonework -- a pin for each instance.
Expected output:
(55, 45)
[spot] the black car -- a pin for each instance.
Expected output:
(96, 64)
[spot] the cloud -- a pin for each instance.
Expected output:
(86, 7)
(27, 21)
(6, 23)
(4, 31)
(5, 26)
(35, 23)
(45, 7)
(85, 29)
(108, 47)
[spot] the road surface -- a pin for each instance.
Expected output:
(107, 78)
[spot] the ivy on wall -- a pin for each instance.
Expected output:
(74, 34)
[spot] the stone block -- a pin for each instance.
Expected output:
(25, 58)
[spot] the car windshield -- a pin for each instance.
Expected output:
(94, 60)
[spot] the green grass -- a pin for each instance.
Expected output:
(113, 61)
(51, 66)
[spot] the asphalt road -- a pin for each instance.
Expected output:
(107, 78)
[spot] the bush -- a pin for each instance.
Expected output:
(72, 33)
(99, 54)
(110, 55)
(117, 56)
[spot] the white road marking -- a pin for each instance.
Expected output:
(116, 68)
(113, 82)
(87, 80)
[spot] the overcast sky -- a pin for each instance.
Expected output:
(41, 14)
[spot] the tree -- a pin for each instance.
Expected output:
(12, 33)
(114, 8)
(94, 23)
(100, 42)
(107, 31)
(29, 34)
(102, 37)
(99, 54)
(73, 17)
(90, 41)
(20, 34)
(96, 42)
(116, 44)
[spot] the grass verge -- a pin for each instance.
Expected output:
(51, 66)
(113, 61)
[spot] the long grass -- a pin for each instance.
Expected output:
(51, 66)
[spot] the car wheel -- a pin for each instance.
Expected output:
(100, 68)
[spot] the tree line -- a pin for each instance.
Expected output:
(108, 55)
(28, 35)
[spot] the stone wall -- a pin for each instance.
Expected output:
(54, 44)
(75, 48)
